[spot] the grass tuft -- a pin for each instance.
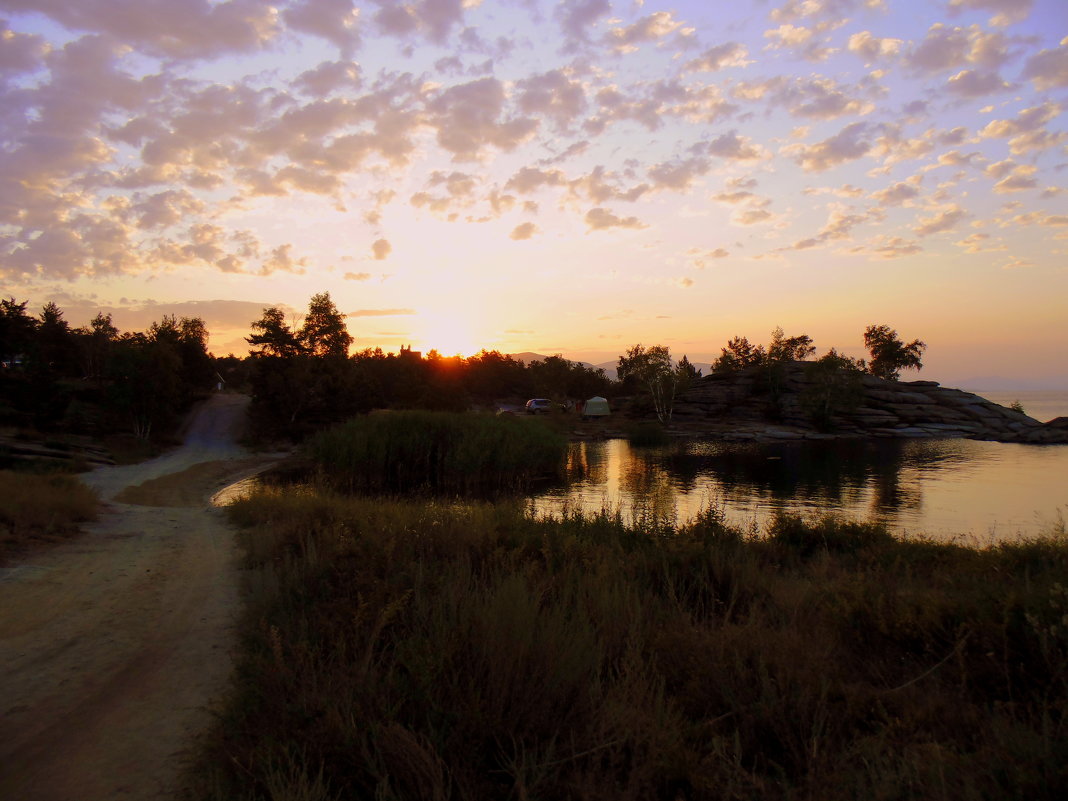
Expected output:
(38, 508)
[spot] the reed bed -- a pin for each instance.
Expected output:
(36, 508)
(438, 452)
(400, 650)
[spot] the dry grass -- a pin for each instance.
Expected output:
(41, 508)
(398, 650)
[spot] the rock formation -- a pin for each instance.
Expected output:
(753, 404)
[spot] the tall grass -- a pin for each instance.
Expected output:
(399, 650)
(436, 451)
(37, 508)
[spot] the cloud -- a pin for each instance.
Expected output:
(329, 76)
(600, 219)
(678, 175)
(1048, 69)
(729, 54)
(873, 48)
(379, 312)
(553, 94)
(381, 249)
(281, 260)
(469, 117)
(894, 247)
(577, 16)
(524, 231)
(973, 83)
(945, 48)
(751, 216)
(189, 29)
(735, 148)
(531, 179)
(979, 243)
(945, 220)
(701, 259)
(651, 28)
(1012, 177)
(848, 144)
(357, 276)
(336, 21)
(1005, 11)
(898, 193)
(20, 52)
(1027, 131)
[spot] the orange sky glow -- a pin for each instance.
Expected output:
(557, 177)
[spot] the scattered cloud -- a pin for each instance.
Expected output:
(600, 219)
(380, 249)
(524, 231)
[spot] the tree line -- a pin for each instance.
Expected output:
(302, 378)
(96, 379)
(834, 377)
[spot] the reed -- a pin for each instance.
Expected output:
(408, 650)
(37, 508)
(438, 452)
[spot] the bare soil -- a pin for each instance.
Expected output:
(114, 647)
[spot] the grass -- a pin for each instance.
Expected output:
(439, 452)
(37, 508)
(429, 650)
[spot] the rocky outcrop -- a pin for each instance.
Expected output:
(752, 405)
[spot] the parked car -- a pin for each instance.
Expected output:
(539, 406)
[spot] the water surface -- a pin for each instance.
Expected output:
(983, 491)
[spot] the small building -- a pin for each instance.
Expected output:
(596, 407)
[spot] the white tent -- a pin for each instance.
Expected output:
(596, 407)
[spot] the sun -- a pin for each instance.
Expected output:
(448, 335)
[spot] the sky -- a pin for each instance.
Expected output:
(564, 177)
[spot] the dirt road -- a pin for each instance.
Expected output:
(114, 646)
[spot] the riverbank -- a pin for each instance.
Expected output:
(468, 651)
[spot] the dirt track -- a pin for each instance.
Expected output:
(114, 646)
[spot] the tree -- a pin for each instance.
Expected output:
(16, 329)
(324, 332)
(97, 343)
(55, 350)
(738, 354)
(651, 368)
(275, 338)
(834, 385)
(889, 355)
(789, 349)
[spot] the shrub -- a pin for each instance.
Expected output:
(439, 452)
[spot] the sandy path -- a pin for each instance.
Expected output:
(114, 646)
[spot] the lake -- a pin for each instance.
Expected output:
(946, 489)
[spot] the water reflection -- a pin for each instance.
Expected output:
(939, 487)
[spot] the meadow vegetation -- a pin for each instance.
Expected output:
(37, 508)
(436, 451)
(396, 649)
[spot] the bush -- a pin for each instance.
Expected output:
(436, 452)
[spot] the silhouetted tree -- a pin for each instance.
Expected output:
(96, 343)
(16, 330)
(651, 369)
(889, 355)
(54, 350)
(275, 338)
(738, 354)
(324, 332)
